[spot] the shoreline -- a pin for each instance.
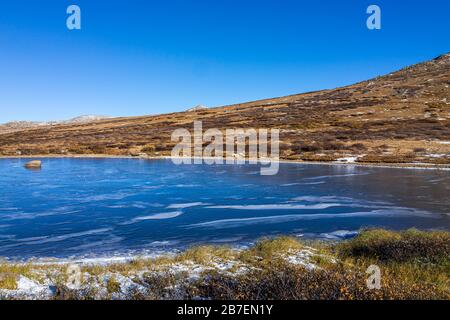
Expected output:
(101, 260)
(122, 257)
(422, 166)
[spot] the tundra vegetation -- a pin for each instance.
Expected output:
(414, 265)
(402, 117)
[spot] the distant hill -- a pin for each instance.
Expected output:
(22, 125)
(400, 117)
(86, 118)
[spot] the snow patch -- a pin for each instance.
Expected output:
(350, 159)
(301, 258)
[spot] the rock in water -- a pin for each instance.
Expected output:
(35, 164)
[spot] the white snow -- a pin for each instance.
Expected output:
(301, 258)
(348, 159)
(28, 289)
(436, 155)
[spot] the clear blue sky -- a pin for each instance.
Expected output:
(146, 57)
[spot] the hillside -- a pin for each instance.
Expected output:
(400, 117)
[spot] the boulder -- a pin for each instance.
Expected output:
(134, 152)
(35, 164)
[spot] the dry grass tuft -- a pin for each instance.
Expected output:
(392, 246)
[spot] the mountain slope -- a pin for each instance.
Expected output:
(400, 117)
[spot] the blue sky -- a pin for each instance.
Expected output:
(147, 57)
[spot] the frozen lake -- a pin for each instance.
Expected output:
(102, 207)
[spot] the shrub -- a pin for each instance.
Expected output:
(358, 147)
(287, 282)
(332, 145)
(62, 292)
(148, 149)
(398, 246)
(112, 286)
(305, 147)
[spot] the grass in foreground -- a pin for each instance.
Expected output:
(414, 265)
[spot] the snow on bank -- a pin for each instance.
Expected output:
(349, 159)
(97, 282)
(437, 155)
(29, 289)
(302, 258)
